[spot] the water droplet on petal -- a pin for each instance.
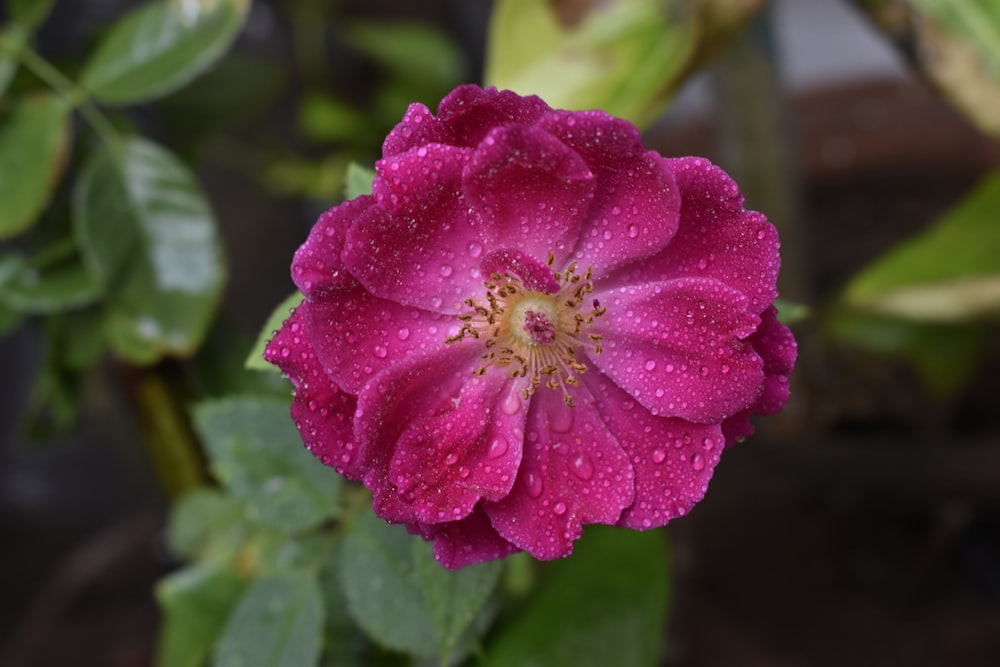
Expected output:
(698, 462)
(707, 444)
(497, 448)
(445, 270)
(403, 333)
(650, 365)
(583, 468)
(475, 249)
(659, 456)
(534, 483)
(633, 231)
(451, 459)
(381, 352)
(511, 404)
(559, 508)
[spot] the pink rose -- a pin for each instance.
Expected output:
(532, 324)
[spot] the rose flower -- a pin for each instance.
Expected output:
(532, 324)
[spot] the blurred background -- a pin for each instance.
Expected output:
(860, 527)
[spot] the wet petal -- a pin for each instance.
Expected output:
(636, 203)
(322, 411)
(776, 345)
(525, 184)
(679, 348)
(317, 267)
(673, 459)
(573, 473)
(467, 541)
(425, 251)
(357, 335)
(454, 438)
(715, 239)
(464, 118)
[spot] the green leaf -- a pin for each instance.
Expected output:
(278, 623)
(359, 181)
(454, 600)
(625, 57)
(257, 453)
(159, 47)
(344, 645)
(34, 140)
(13, 38)
(29, 13)
(207, 525)
(8, 320)
(325, 118)
(411, 52)
(943, 356)
(377, 575)
(195, 603)
(148, 236)
(604, 605)
(948, 273)
(255, 360)
(32, 289)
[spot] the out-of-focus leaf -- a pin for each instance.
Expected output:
(29, 13)
(34, 140)
(195, 602)
(453, 599)
(322, 179)
(324, 118)
(148, 236)
(613, 586)
(277, 623)
(343, 644)
(77, 338)
(943, 356)
(948, 273)
(207, 525)
(257, 453)
(957, 42)
(622, 56)
(28, 288)
(378, 580)
(8, 320)
(790, 312)
(159, 47)
(255, 360)
(12, 39)
(411, 52)
(359, 181)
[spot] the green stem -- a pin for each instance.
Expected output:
(74, 95)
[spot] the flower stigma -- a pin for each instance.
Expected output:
(535, 333)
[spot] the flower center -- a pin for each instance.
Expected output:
(536, 333)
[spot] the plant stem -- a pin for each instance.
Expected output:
(74, 95)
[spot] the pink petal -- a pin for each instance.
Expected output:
(716, 237)
(425, 251)
(678, 348)
(357, 335)
(673, 459)
(528, 189)
(467, 541)
(317, 268)
(322, 411)
(464, 117)
(636, 202)
(775, 343)
(573, 472)
(440, 439)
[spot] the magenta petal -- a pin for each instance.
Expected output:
(525, 184)
(775, 343)
(716, 238)
(322, 411)
(573, 472)
(317, 267)
(673, 459)
(464, 117)
(678, 348)
(453, 438)
(636, 203)
(425, 251)
(356, 335)
(467, 541)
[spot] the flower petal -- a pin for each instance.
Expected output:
(467, 541)
(636, 201)
(673, 459)
(317, 268)
(425, 251)
(525, 184)
(454, 438)
(776, 345)
(464, 117)
(356, 334)
(322, 411)
(573, 473)
(716, 238)
(678, 348)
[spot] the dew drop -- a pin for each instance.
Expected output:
(445, 270)
(451, 459)
(707, 444)
(650, 365)
(559, 508)
(285, 352)
(463, 472)
(633, 231)
(698, 462)
(511, 404)
(583, 468)
(534, 484)
(381, 352)
(659, 456)
(474, 249)
(497, 448)
(403, 333)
